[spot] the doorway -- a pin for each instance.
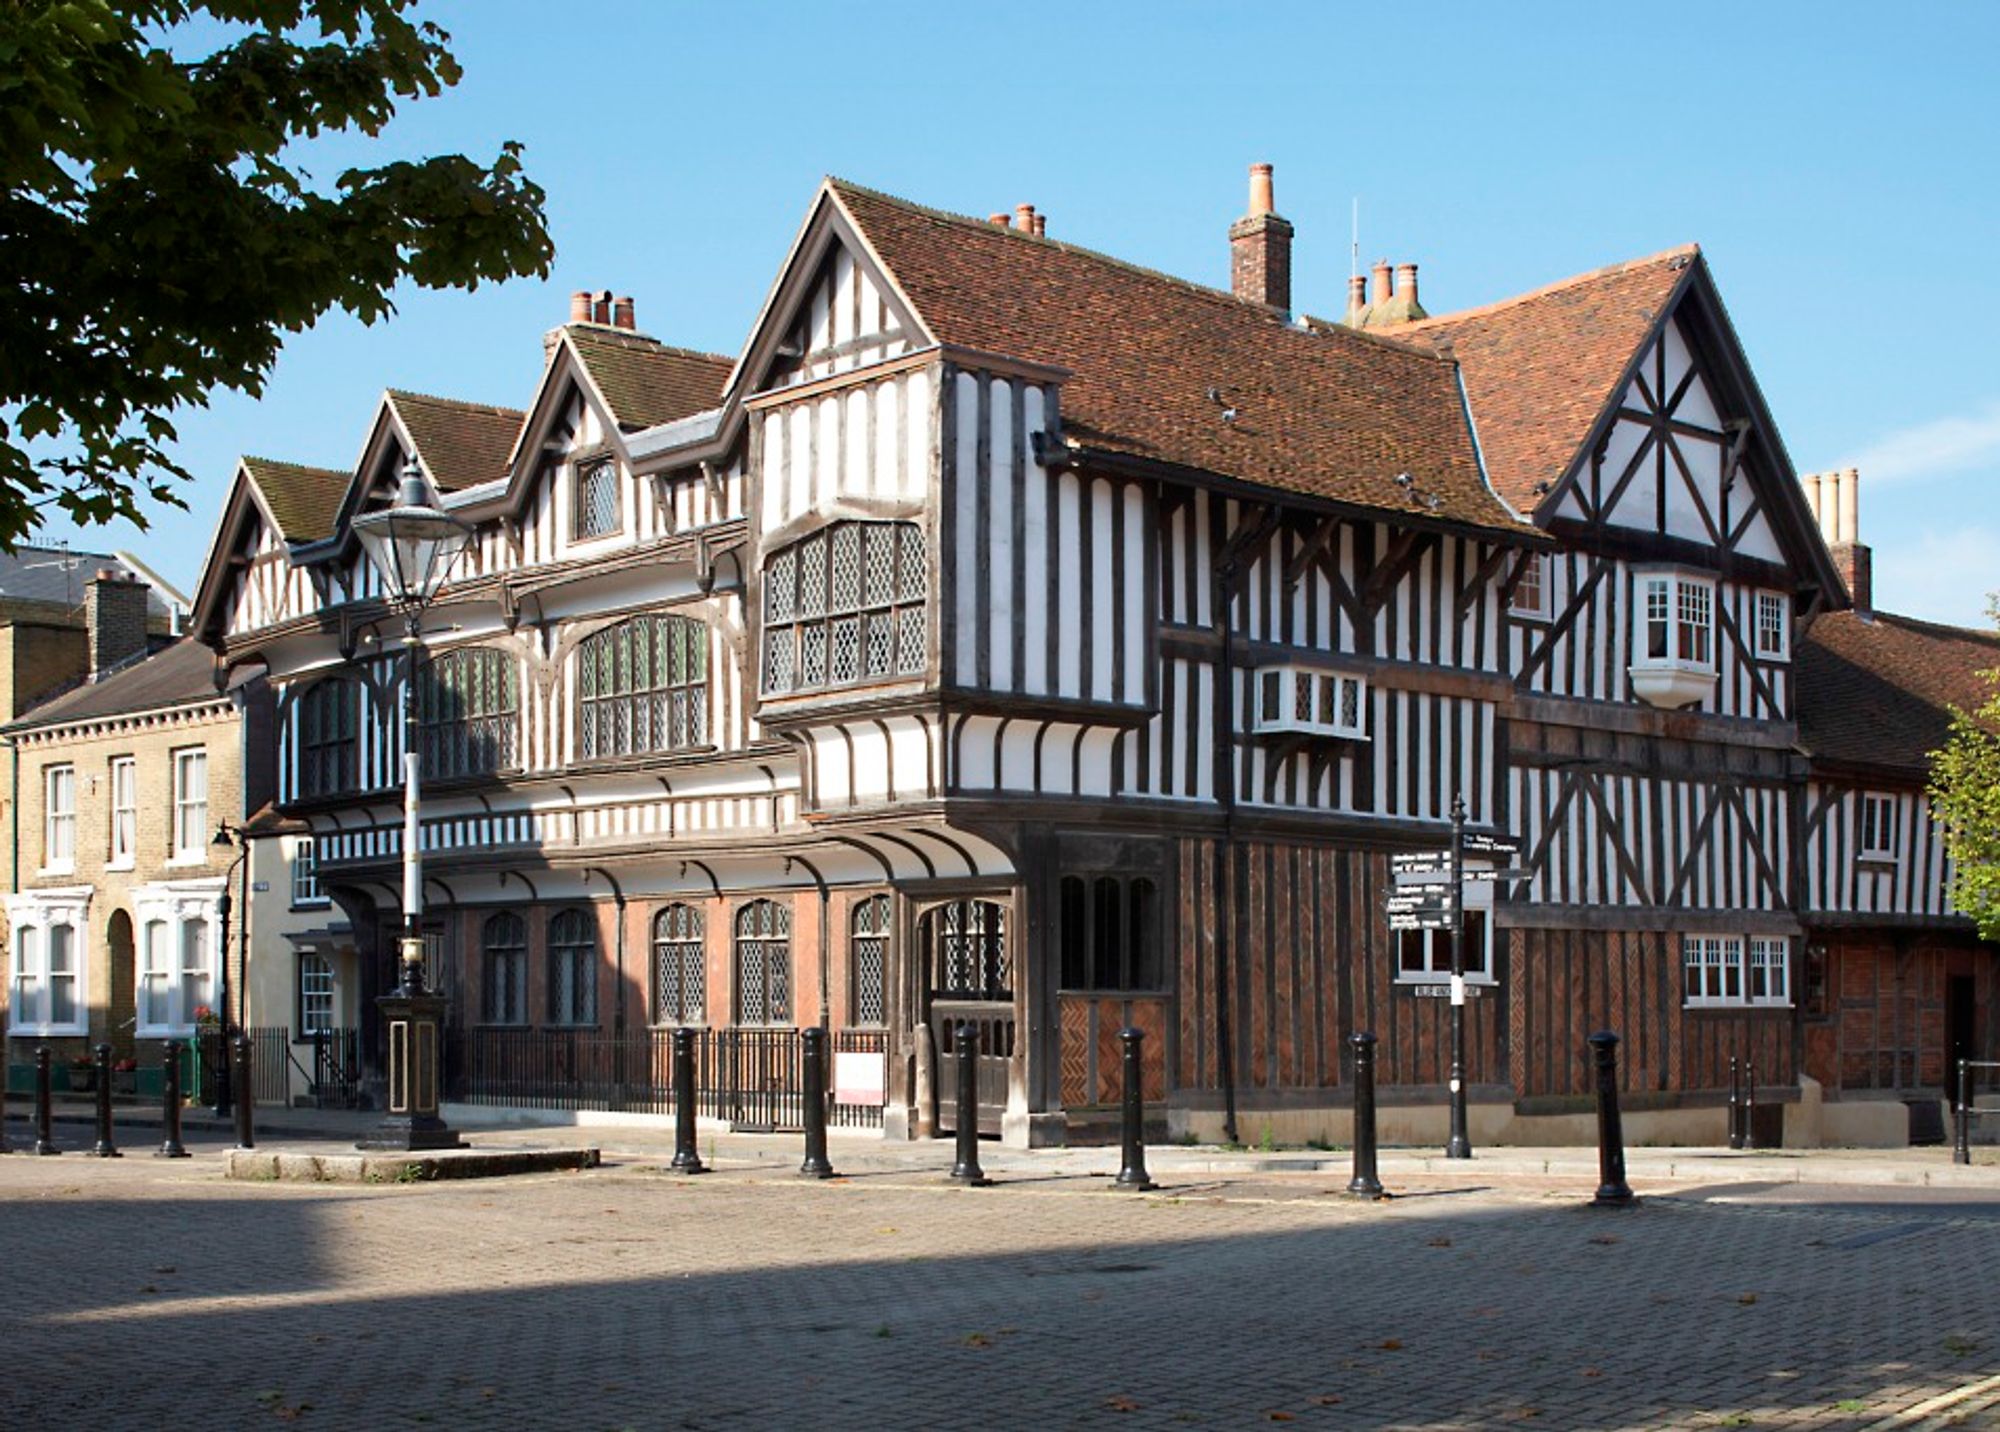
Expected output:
(969, 979)
(1960, 1041)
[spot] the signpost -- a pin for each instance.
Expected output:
(1427, 892)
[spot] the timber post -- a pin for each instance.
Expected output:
(812, 1053)
(245, 1092)
(1612, 1190)
(1961, 1139)
(106, 1149)
(170, 1103)
(965, 1168)
(44, 1116)
(687, 1159)
(1735, 1102)
(1367, 1181)
(1132, 1176)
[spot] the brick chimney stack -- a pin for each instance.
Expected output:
(114, 619)
(1260, 249)
(624, 313)
(1835, 500)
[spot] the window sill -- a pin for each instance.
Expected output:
(48, 1031)
(163, 1031)
(121, 863)
(1880, 859)
(1670, 684)
(324, 902)
(1738, 1006)
(185, 862)
(51, 872)
(1444, 978)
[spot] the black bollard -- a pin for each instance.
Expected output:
(44, 1117)
(244, 1093)
(1367, 1182)
(686, 1158)
(1612, 1190)
(170, 1103)
(1961, 1139)
(105, 1149)
(1132, 1175)
(966, 1170)
(1749, 1102)
(1735, 1102)
(813, 1051)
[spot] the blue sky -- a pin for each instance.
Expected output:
(1838, 164)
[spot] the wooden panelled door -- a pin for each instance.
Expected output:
(968, 966)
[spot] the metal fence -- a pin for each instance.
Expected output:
(749, 1077)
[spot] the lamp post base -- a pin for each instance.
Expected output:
(415, 1027)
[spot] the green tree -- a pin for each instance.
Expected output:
(158, 236)
(1965, 799)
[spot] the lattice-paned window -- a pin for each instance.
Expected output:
(845, 606)
(597, 500)
(1109, 926)
(764, 963)
(469, 712)
(1878, 826)
(678, 966)
(1774, 627)
(572, 968)
(316, 995)
(642, 686)
(969, 947)
(868, 947)
(504, 950)
(329, 722)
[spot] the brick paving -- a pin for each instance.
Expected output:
(146, 1294)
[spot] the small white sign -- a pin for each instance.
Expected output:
(859, 1078)
(1458, 989)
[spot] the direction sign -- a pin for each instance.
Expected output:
(1418, 907)
(1421, 920)
(1416, 860)
(1511, 873)
(1490, 845)
(1413, 889)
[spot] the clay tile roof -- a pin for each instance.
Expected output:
(1539, 368)
(303, 500)
(646, 382)
(1878, 692)
(460, 444)
(180, 675)
(1323, 411)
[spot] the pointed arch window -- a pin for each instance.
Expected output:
(329, 738)
(504, 948)
(468, 711)
(764, 963)
(572, 968)
(642, 685)
(868, 947)
(844, 606)
(678, 966)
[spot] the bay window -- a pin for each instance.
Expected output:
(1673, 648)
(845, 606)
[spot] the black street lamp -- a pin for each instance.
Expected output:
(413, 547)
(225, 837)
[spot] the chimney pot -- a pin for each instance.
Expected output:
(579, 306)
(600, 308)
(624, 314)
(1260, 190)
(1382, 287)
(1406, 283)
(1357, 299)
(1024, 218)
(1041, 225)
(998, 221)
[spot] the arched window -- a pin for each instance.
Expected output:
(572, 968)
(763, 963)
(642, 686)
(968, 948)
(677, 966)
(845, 605)
(329, 722)
(868, 945)
(504, 944)
(1109, 932)
(468, 709)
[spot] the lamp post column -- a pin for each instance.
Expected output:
(222, 1091)
(1460, 1145)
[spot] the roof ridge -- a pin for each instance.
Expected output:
(1309, 326)
(624, 336)
(462, 403)
(248, 458)
(1547, 290)
(1978, 634)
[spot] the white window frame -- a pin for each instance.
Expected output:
(1778, 629)
(1335, 702)
(124, 812)
(1684, 670)
(306, 893)
(186, 759)
(318, 994)
(58, 819)
(1875, 836)
(30, 918)
(176, 906)
(1731, 968)
(1537, 573)
(1476, 901)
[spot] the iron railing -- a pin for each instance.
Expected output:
(750, 1078)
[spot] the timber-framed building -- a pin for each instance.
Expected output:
(1015, 635)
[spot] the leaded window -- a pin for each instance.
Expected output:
(845, 605)
(969, 947)
(643, 686)
(868, 946)
(572, 968)
(763, 963)
(329, 719)
(468, 711)
(678, 966)
(597, 500)
(504, 943)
